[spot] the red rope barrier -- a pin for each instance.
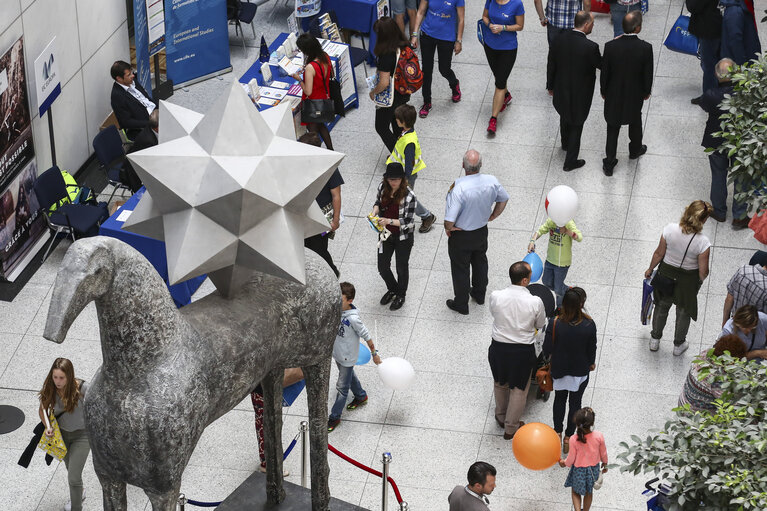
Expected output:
(367, 469)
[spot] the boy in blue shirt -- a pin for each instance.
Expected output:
(345, 353)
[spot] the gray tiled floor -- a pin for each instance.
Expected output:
(444, 421)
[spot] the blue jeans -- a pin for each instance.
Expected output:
(709, 56)
(617, 12)
(346, 380)
(720, 164)
(554, 279)
(420, 209)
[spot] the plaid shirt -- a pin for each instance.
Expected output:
(561, 13)
(406, 211)
(749, 287)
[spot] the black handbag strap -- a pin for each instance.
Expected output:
(685, 250)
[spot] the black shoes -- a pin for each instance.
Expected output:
(718, 218)
(740, 223)
(479, 299)
(636, 155)
(388, 297)
(608, 166)
(397, 303)
(452, 306)
(578, 164)
(696, 101)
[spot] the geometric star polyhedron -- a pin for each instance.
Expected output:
(231, 192)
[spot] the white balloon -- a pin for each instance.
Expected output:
(396, 373)
(563, 203)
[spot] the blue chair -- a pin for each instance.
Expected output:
(239, 12)
(72, 219)
(109, 151)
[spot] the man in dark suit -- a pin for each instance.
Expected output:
(626, 82)
(130, 102)
(570, 77)
(147, 137)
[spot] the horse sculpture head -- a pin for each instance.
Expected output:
(85, 274)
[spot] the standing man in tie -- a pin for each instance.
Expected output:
(570, 78)
(626, 82)
(472, 202)
(130, 102)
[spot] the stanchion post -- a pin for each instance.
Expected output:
(403, 506)
(181, 501)
(386, 460)
(304, 453)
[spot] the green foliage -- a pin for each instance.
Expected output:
(744, 129)
(713, 460)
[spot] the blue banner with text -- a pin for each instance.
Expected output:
(141, 31)
(196, 39)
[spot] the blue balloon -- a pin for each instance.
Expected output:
(363, 356)
(535, 265)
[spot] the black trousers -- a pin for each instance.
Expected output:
(635, 138)
(571, 140)
(501, 63)
(560, 399)
(386, 126)
(468, 255)
(319, 245)
(445, 53)
(401, 249)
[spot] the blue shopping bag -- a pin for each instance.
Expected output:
(645, 6)
(647, 301)
(480, 32)
(291, 392)
(680, 39)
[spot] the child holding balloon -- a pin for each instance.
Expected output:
(559, 255)
(345, 353)
(587, 449)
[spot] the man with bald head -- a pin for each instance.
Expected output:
(570, 76)
(718, 160)
(626, 82)
(472, 202)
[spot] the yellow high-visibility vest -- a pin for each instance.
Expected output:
(398, 154)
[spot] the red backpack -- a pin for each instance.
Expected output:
(408, 77)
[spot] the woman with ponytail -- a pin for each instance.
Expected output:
(682, 258)
(587, 449)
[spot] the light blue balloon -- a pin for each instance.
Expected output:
(363, 357)
(535, 265)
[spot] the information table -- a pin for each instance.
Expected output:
(358, 15)
(339, 55)
(152, 249)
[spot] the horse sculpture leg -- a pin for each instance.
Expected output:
(317, 378)
(115, 497)
(272, 386)
(164, 501)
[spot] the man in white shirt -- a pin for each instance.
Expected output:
(517, 314)
(130, 102)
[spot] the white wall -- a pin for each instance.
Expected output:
(90, 35)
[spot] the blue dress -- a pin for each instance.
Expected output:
(582, 479)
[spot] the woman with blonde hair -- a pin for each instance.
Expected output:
(62, 395)
(682, 258)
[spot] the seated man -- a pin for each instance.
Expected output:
(146, 138)
(130, 102)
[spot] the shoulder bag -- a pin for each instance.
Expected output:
(319, 110)
(53, 445)
(679, 38)
(666, 285)
(543, 375)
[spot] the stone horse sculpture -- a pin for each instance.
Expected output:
(168, 373)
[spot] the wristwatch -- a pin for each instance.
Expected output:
(458, 41)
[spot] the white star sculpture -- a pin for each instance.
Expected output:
(231, 192)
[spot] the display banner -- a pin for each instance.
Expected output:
(21, 224)
(141, 32)
(196, 39)
(155, 13)
(47, 80)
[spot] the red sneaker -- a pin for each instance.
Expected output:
(492, 126)
(424, 110)
(506, 101)
(457, 93)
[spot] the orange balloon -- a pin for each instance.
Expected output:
(536, 446)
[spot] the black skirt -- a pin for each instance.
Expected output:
(511, 364)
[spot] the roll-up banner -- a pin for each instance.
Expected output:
(21, 224)
(141, 40)
(196, 40)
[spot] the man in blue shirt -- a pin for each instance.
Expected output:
(472, 202)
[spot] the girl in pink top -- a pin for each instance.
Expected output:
(587, 448)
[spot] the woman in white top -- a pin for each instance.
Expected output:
(683, 253)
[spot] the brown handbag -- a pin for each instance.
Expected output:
(543, 375)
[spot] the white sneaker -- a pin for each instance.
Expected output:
(678, 350)
(68, 505)
(654, 344)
